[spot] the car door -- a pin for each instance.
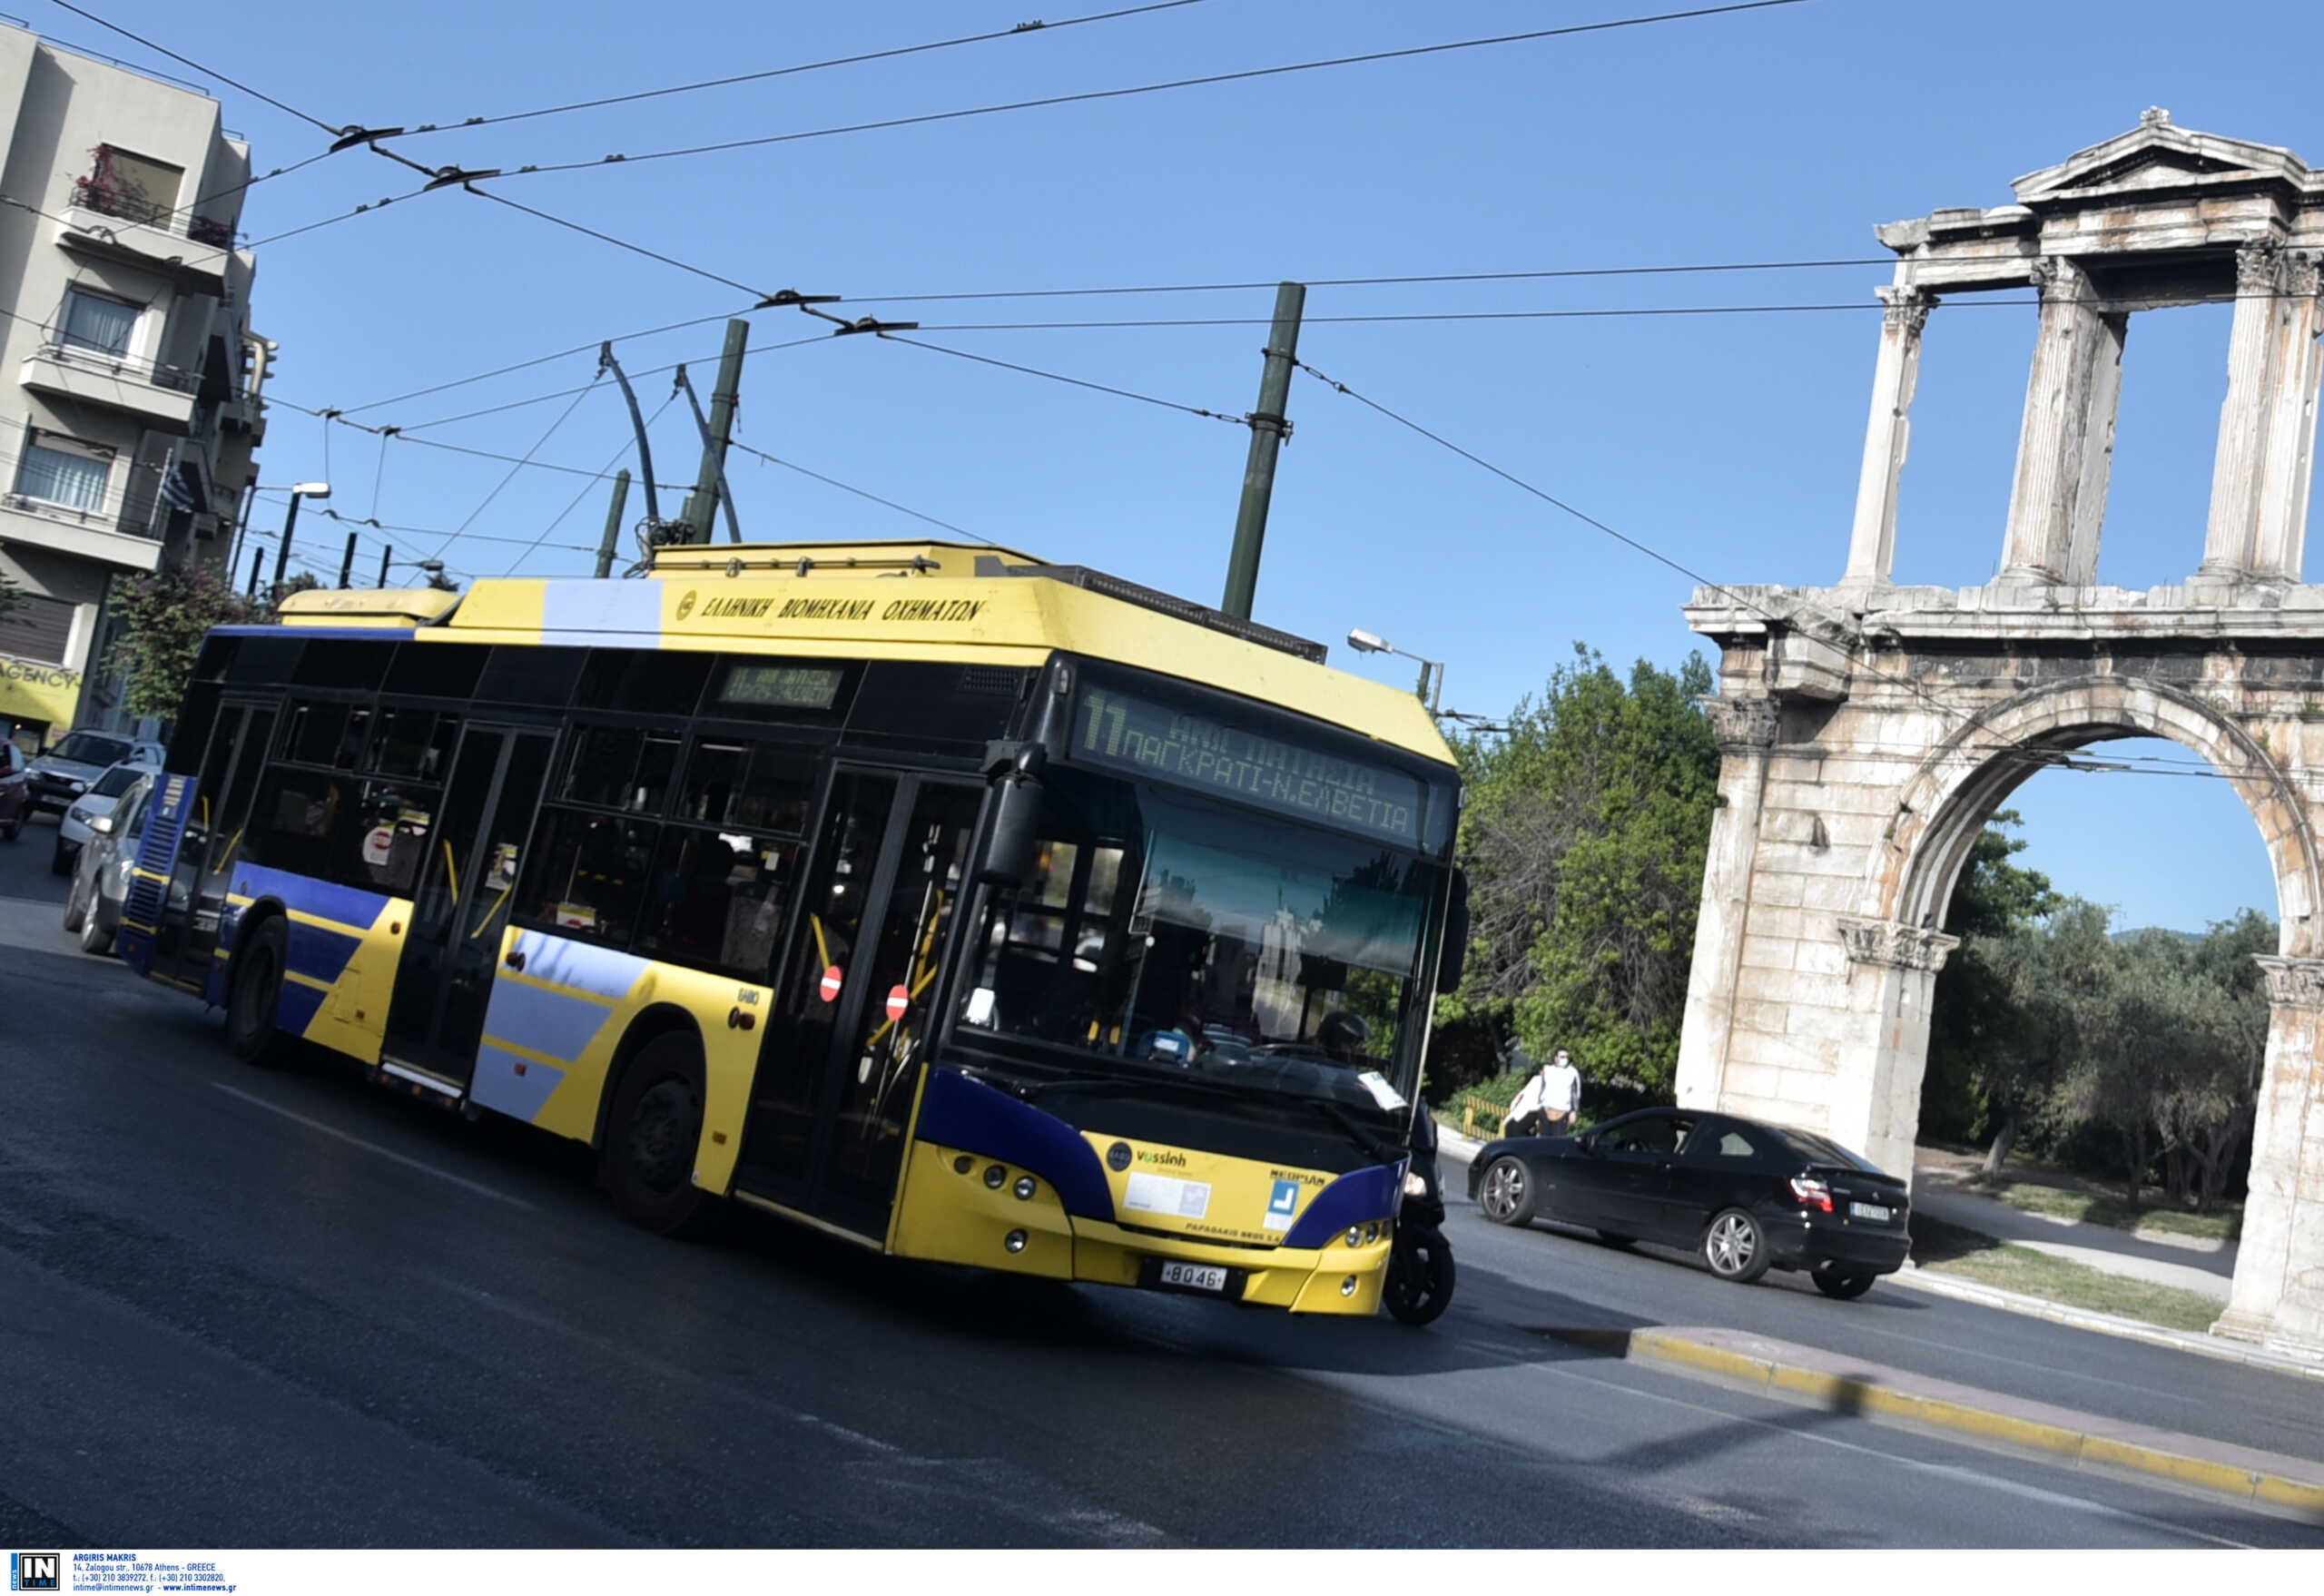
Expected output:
(1632, 1173)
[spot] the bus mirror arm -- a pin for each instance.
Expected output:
(1450, 963)
(1015, 837)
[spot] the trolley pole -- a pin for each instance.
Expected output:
(612, 540)
(1269, 429)
(347, 564)
(702, 504)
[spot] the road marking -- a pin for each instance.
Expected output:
(408, 1163)
(1951, 1470)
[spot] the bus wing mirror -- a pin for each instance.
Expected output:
(1450, 963)
(1014, 841)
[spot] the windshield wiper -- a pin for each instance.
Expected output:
(1366, 1142)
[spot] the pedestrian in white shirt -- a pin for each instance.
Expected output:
(1545, 1105)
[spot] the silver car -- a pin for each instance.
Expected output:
(66, 771)
(74, 829)
(101, 874)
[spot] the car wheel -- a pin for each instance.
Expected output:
(60, 858)
(653, 1135)
(1845, 1287)
(94, 938)
(75, 910)
(1612, 1239)
(1506, 1195)
(258, 985)
(1735, 1248)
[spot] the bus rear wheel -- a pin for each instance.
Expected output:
(258, 985)
(652, 1135)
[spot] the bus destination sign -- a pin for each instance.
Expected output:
(779, 686)
(1132, 734)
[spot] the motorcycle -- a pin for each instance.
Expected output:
(1419, 1286)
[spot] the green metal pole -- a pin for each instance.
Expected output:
(612, 540)
(1268, 429)
(702, 504)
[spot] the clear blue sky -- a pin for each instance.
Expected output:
(1730, 442)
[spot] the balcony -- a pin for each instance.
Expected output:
(109, 222)
(161, 396)
(129, 537)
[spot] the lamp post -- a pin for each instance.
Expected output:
(291, 519)
(1431, 691)
(432, 570)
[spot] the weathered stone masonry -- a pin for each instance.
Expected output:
(1867, 731)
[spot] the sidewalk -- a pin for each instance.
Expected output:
(2203, 1267)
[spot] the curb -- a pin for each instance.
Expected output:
(1939, 1284)
(1780, 1368)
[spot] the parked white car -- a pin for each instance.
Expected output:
(103, 795)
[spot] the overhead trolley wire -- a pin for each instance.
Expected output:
(2057, 758)
(1085, 96)
(861, 493)
(1144, 398)
(196, 66)
(1018, 29)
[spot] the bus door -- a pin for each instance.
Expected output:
(187, 940)
(460, 907)
(840, 1066)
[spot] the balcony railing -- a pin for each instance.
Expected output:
(131, 523)
(157, 374)
(111, 199)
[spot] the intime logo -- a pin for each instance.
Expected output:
(34, 1571)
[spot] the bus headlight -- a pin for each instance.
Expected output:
(1025, 1187)
(1014, 1241)
(1354, 1236)
(994, 1175)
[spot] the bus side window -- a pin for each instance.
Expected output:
(587, 875)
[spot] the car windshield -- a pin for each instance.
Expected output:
(116, 780)
(1162, 930)
(90, 748)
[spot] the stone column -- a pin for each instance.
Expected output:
(2230, 537)
(1872, 546)
(2064, 449)
(2282, 529)
(2278, 1296)
(1876, 1096)
(1746, 729)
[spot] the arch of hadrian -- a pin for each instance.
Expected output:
(1867, 731)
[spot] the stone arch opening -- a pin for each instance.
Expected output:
(1971, 774)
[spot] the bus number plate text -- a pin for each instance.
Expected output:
(1195, 1276)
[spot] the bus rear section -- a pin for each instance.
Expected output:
(1025, 958)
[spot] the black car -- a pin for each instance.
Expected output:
(1749, 1196)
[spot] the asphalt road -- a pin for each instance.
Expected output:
(247, 1307)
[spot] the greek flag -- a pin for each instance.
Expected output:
(174, 492)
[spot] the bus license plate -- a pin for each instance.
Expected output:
(1869, 1211)
(1195, 1276)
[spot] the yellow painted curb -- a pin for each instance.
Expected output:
(1848, 1394)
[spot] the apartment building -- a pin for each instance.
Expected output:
(129, 375)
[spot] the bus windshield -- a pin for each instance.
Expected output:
(1162, 929)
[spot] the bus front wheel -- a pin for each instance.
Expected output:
(652, 1135)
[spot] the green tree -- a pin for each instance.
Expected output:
(1976, 1051)
(1584, 836)
(161, 619)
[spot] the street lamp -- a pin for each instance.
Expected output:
(1430, 690)
(290, 519)
(433, 569)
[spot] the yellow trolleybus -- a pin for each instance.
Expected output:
(966, 907)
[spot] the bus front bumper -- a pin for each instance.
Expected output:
(949, 1217)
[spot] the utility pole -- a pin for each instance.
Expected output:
(702, 504)
(258, 564)
(1269, 429)
(347, 564)
(282, 554)
(612, 540)
(387, 558)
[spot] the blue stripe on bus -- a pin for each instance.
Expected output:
(579, 965)
(958, 1112)
(1354, 1198)
(602, 612)
(557, 1023)
(499, 1086)
(294, 1009)
(318, 954)
(349, 906)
